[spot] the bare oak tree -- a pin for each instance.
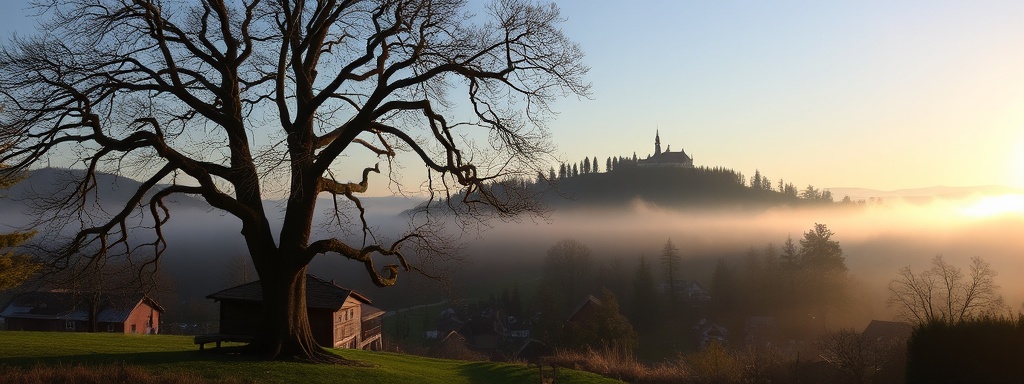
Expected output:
(944, 294)
(231, 100)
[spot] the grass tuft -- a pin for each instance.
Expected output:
(621, 365)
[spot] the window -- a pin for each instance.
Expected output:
(133, 328)
(110, 327)
(69, 325)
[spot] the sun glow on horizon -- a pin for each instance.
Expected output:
(1017, 164)
(996, 206)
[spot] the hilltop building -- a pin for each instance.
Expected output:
(667, 159)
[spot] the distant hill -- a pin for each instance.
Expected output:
(708, 188)
(59, 182)
(925, 194)
(669, 187)
(701, 188)
(114, 189)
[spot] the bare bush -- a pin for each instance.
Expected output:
(944, 294)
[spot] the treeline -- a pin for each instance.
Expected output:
(709, 187)
(801, 284)
(570, 279)
(758, 181)
(584, 184)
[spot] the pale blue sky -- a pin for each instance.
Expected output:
(871, 94)
(874, 94)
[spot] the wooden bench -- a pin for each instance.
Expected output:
(218, 338)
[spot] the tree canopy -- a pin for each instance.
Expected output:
(232, 101)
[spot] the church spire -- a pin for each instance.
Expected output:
(657, 143)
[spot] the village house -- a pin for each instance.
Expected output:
(485, 330)
(585, 311)
(707, 332)
(338, 317)
(66, 311)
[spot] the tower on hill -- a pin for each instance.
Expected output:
(667, 159)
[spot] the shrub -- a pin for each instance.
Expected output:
(985, 350)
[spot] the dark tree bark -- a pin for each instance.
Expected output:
(229, 100)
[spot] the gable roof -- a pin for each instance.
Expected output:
(887, 330)
(66, 305)
(370, 312)
(667, 157)
(320, 294)
(585, 309)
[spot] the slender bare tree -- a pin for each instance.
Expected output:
(234, 100)
(943, 293)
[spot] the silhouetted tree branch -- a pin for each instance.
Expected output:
(227, 100)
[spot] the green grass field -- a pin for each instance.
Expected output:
(162, 354)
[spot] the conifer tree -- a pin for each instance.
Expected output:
(670, 260)
(645, 303)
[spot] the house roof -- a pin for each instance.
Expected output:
(67, 305)
(370, 312)
(585, 309)
(669, 157)
(887, 330)
(320, 294)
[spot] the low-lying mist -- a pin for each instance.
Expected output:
(878, 238)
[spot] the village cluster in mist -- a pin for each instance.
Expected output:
(206, 253)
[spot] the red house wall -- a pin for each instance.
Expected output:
(144, 318)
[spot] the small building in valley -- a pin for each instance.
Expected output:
(67, 311)
(338, 317)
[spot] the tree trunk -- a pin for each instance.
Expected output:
(286, 334)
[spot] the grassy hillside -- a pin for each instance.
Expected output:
(165, 354)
